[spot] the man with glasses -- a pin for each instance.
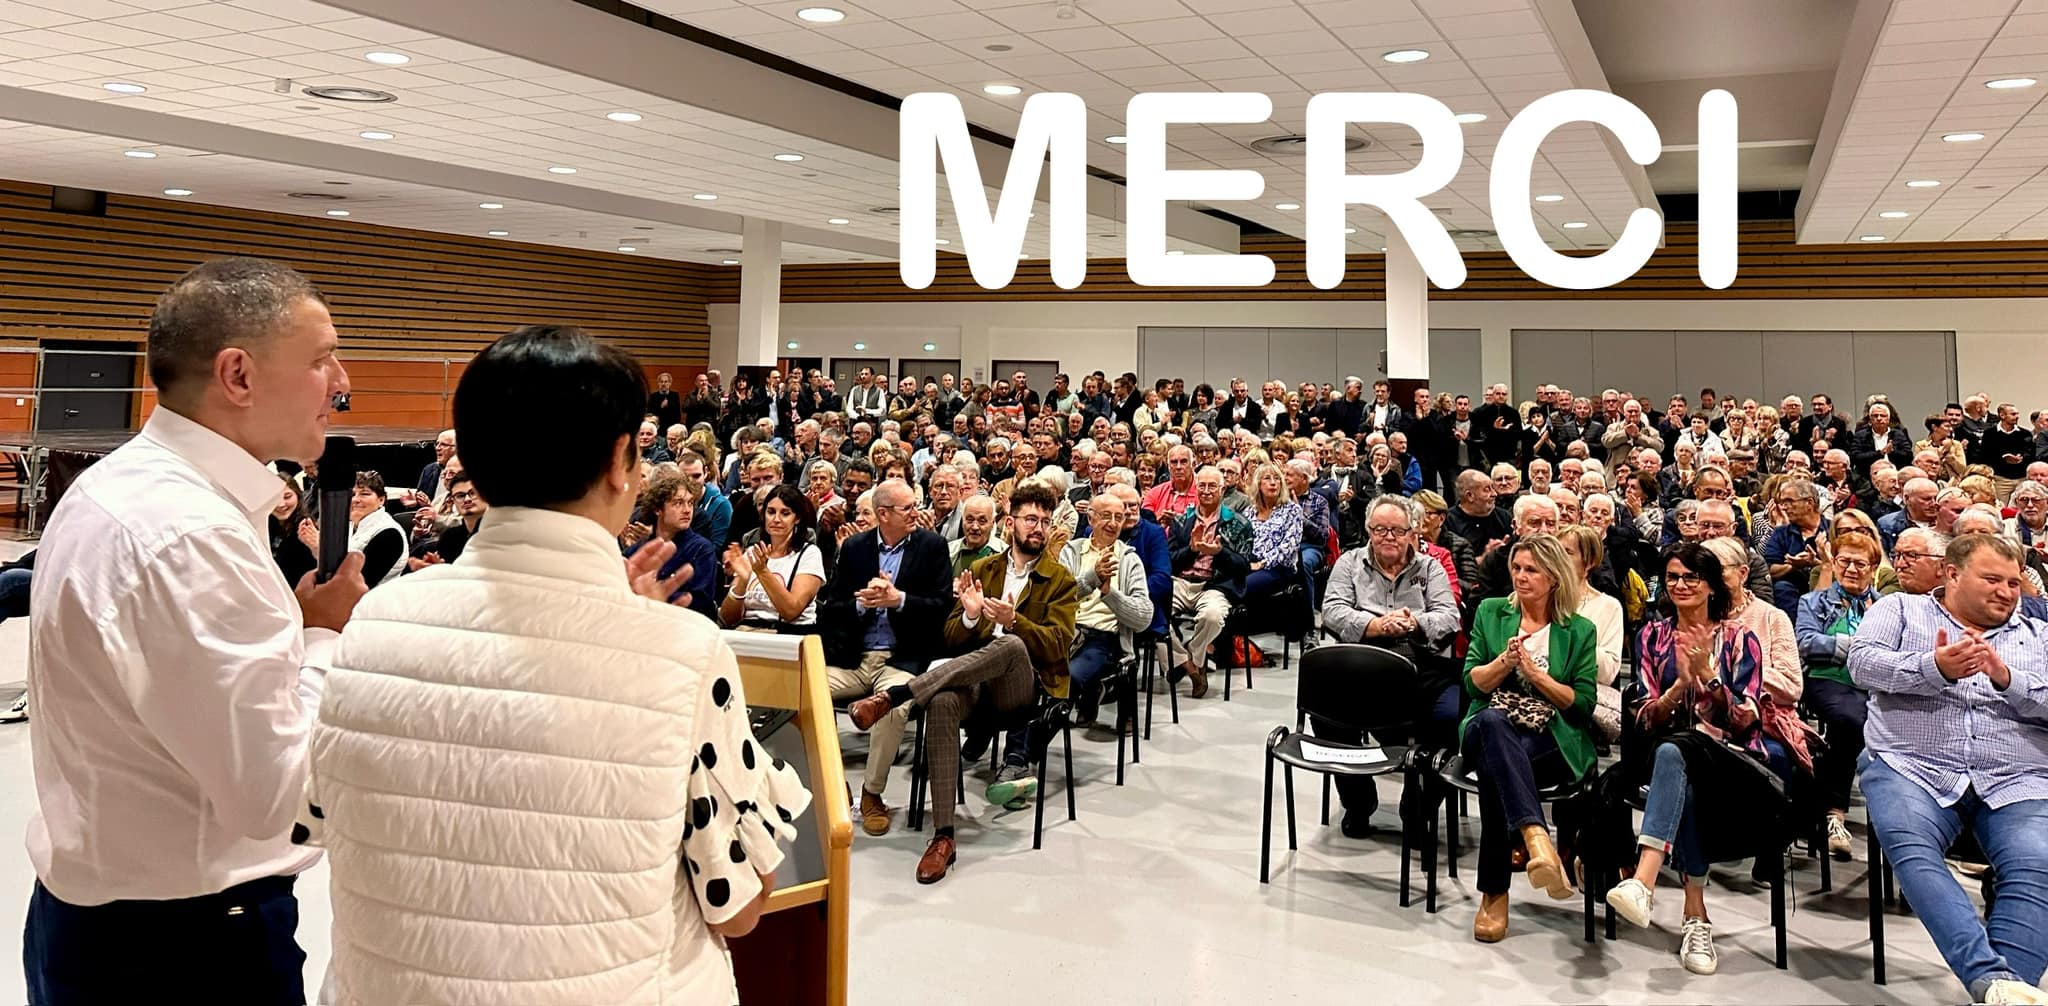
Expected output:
(1709, 484)
(1234, 496)
(1795, 547)
(1838, 482)
(1917, 559)
(1957, 737)
(881, 615)
(944, 516)
(1211, 549)
(1533, 515)
(1390, 595)
(1113, 602)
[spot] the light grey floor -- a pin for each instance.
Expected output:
(1152, 896)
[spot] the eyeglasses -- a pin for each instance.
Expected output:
(1683, 579)
(1915, 555)
(1387, 532)
(460, 496)
(1848, 563)
(899, 508)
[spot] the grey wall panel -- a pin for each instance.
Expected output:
(1913, 369)
(1234, 352)
(1547, 356)
(1728, 362)
(1806, 363)
(1642, 362)
(1454, 361)
(1294, 355)
(1174, 351)
(1358, 355)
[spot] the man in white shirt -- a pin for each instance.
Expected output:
(174, 673)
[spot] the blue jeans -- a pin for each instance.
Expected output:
(1311, 562)
(1668, 818)
(14, 593)
(1269, 581)
(1513, 765)
(1096, 658)
(1916, 832)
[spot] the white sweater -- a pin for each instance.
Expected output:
(536, 787)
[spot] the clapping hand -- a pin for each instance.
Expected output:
(1056, 542)
(1000, 611)
(1694, 653)
(309, 534)
(635, 533)
(968, 590)
(739, 565)
(1207, 541)
(1969, 656)
(1514, 654)
(643, 571)
(1105, 568)
(880, 592)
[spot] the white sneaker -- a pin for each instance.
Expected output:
(1696, 947)
(1632, 901)
(2006, 992)
(1838, 837)
(16, 712)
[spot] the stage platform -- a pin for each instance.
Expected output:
(50, 460)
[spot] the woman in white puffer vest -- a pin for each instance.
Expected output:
(536, 784)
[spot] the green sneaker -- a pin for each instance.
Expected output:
(1013, 787)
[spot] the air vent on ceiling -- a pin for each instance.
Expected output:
(885, 210)
(325, 196)
(1296, 144)
(722, 251)
(358, 94)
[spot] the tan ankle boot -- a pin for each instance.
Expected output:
(1545, 870)
(1491, 924)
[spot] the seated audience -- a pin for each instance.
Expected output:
(1828, 621)
(1478, 518)
(1113, 603)
(448, 544)
(1276, 533)
(777, 571)
(295, 558)
(371, 531)
(977, 539)
(669, 503)
(1583, 544)
(1772, 628)
(1211, 550)
(1531, 675)
(1389, 595)
(1534, 515)
(1957, 740)
(1793, 549)
(1697, 665)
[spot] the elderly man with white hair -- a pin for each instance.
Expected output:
(1533, 515)
(1917, 509)
(2029, 524)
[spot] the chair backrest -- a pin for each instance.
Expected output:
(1358, 685)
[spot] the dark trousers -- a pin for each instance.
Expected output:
(14, 592)
(1094, 658)
(1842, 708)
(237, 946)
(996, 680)
(1513, 765)
(1436, 722)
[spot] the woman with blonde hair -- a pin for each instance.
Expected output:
(1276, 532)
(1884, 579)
(1532, 676)
(705, 442)
(1773, 443)
(1587, 550)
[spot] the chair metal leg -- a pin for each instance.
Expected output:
(917, 778)
(1150, 663)
(1407, 779)
(1067, 748)
(1137, 749)
(1876, 911)
(1587, 893)
(1326, 801)
(1429, 850)
(1123, 691)
(1778, 896)
(1038, 808)
(1266, 826)
(1827, 858)
(1289, 775)
(1456, 813)
(1229, 662)
(1173, 700)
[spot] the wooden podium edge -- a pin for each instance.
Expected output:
(829, 797)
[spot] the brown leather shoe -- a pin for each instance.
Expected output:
(1199, 678)
(1545, 869)
(940, 854)
(869, 711)
(1491, 924)
(874, 814)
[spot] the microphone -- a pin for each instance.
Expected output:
(337, 484)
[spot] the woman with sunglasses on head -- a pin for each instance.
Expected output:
(1703, 680)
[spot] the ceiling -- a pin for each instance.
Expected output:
(1844, 99)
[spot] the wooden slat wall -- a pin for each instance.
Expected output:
(66, 276)
(1771, 266)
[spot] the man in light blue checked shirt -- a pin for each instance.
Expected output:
(1958, 738)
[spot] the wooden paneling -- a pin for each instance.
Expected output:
(65, 276)
(1772, 266)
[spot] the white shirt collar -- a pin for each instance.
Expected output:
(547, 543)
(247, 481)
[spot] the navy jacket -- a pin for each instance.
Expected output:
(926, 579)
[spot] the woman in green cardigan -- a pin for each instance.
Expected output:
(1531, 673)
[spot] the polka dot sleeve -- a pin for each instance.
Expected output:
(743, 804)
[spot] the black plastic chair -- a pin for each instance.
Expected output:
(1052, 714)
(1148, 644)
(1364, 688)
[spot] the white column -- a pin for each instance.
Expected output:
(760, 334)
(1407, 312)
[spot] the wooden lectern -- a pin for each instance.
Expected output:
(797, 955)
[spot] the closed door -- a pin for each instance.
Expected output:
(1038, 373)
(84, 367)
(846, 368)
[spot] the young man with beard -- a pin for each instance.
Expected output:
(1014, 612)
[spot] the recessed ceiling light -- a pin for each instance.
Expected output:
(500, 234)
(791, 344)
(1871, 237)
(821, 15)
(1572, 225)
(1118, 138)
(177, 192)
(838, 221)
(1962, 137)
(931, 347)
(943, 241)
(789, 158)
(1383, 247)
(1406, 55)
(123, 87)
(2009, 83)
(1550, 197)
(628, 248)
(388, 58)
(375, 134)
(1176, 252)
(1001, 90)
(357, 94)
(734, 261)
(560, 170)
(859, 347)
(623, 116)
(1894, 215)
(1922, 183)
(1469, 117)
(1287, 206)
(139, 154)
(490, 206)
(705, 197)
(1350, 230)
(337, 213)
